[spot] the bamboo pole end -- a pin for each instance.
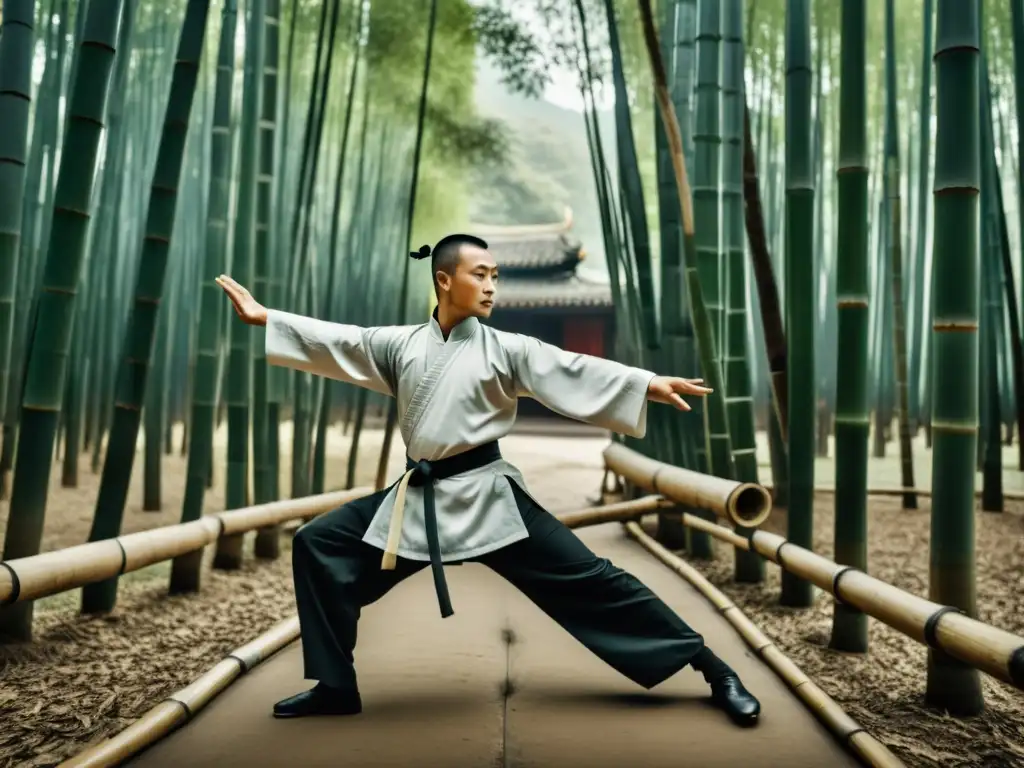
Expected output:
(751, 504)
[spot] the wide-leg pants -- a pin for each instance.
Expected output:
(607, 609)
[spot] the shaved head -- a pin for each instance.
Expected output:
(448, 252)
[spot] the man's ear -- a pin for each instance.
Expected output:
(443, 279)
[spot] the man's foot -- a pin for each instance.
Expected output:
(319, 700)
(739, 703)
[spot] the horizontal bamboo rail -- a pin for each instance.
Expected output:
(181, 706)
(926, 492)
(615, 513)
(745, 504)
(869, 749)
(30, 578)
(994, 651)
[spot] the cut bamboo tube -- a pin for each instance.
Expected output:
(182, 706)
(29, 578)
(992, 650)
(869, 749)
(745, 504)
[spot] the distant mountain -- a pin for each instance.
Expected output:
(551, 166)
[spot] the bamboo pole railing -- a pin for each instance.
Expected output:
(992, 650)
(869, 749)
(745, 504)
(180, 707)
(30, 578)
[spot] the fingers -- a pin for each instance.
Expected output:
(679, 403)
(691, 387)
(232, 288)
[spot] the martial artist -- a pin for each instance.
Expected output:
(457, 382)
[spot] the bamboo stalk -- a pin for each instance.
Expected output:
(29, 578)
(744, 504)
(181, 706)
(824, 707)
(994, 651)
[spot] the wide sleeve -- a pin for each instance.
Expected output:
(591, 389)
(361, 356)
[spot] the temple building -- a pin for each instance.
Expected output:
(540, 293)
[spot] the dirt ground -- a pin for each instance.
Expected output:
(87, 677)
(884, 689)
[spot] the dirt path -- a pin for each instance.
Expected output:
(86, 677)
(453, 693)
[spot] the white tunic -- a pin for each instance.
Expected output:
(455, 395)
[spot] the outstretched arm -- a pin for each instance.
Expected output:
(348, 353)
(592, 389)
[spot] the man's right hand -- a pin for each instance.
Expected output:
(247, 308)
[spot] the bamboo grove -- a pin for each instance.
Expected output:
(147, 148)
(836, 229)
(816, 204)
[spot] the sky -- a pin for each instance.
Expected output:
(563, 91)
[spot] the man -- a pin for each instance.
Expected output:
(457, 382)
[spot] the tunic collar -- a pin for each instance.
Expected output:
(460, 332)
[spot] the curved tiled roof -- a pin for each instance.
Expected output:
(571, 291)
(535, 252)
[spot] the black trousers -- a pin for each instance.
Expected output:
(607, 609)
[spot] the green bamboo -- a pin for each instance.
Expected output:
(954, 686)
(892, 178)
(304, 385)
(329, 299)
(46, 368)
(228, 554)
(268, 539)
(919, 317)
(632, 197)
(137, 348)
(700, 317)
(44, 132)
(992, 313)
(800, 290)
(706, 259)
(849, 625)
(1017, 34)
(209, 359)
(392, 406)
(739, 400)
(17, 46)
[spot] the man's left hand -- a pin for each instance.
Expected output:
(668, 390)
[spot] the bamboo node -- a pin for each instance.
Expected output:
(932, 624)
(835, 582)
(962, 326)
(778, 552)
(124, 556)
(853, 733)
(1016, 667)
(15, 586)
(183, 705)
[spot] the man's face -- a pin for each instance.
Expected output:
(473, 287)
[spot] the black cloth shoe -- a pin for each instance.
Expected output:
(319, 700)
(729, 694)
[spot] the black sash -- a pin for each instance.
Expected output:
(424, 474)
